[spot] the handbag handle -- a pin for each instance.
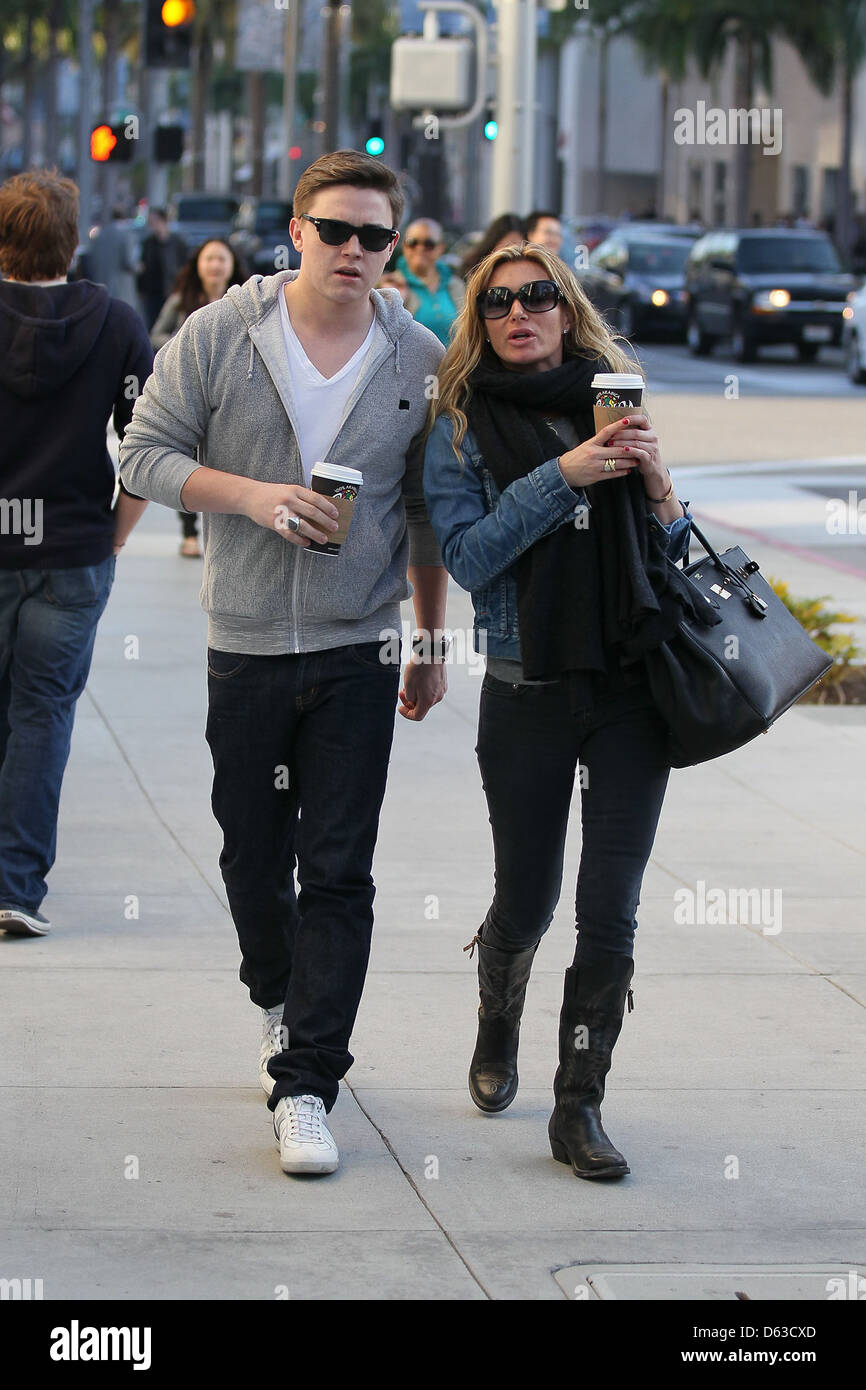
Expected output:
(736, 577)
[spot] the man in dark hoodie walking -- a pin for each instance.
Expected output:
(283, 372)
(70, 355)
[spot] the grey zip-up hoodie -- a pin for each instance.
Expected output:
(222, 387)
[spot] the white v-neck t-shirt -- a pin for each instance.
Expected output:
(321, 400)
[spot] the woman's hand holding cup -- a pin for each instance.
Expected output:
(586, 463)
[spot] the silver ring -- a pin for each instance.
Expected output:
(610, 465)
(293, 523)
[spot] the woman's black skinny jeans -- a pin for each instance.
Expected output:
(531, 748)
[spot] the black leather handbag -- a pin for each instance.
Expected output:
(720, 683)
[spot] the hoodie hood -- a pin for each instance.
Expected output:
(258, 296)
(46, 334)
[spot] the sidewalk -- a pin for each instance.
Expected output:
(137, 1156)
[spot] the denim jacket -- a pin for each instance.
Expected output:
(482, 532)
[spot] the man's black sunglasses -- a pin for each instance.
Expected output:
(335, 233)
(537, 297)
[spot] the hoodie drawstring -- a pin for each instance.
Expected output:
(397, 355)
(250, 370)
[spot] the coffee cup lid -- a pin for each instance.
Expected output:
(623, 379)
(336, 470)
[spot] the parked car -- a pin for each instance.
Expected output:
(765, 285)
(854, 335)
(636, 279)
(200, 216)
(261, 235)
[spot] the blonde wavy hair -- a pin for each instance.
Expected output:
(588, 336)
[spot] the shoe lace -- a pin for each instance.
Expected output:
(305, 1118)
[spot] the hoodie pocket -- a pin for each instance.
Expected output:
(356, 582)
(244, 572)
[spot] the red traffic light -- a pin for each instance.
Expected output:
(294, 152)
(102, 141)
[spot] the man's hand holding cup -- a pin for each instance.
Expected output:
(279, 506)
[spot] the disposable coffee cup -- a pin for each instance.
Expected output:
(341, 486)
(615, 395)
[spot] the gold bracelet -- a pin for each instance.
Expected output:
(667, 497)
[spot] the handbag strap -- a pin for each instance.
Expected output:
(736, 577)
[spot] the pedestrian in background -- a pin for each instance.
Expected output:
(112, 259)
(204, 278)
(71, 357)
(504, 230)
(435, 290)
(545, 229)
(163, 253)
(561, 534)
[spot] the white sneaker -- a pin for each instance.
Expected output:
(305, 1143)
(17, 922)
(272, 1045)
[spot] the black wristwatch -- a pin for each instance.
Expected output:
(428, 650)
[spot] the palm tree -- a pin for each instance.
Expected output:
(831, 40)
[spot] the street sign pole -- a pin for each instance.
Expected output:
(290, 52)
(514, 147)
(85, 165)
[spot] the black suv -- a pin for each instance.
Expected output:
(765, 285)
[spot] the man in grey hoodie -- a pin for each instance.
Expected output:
(285, 371)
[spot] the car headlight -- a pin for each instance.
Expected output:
(659, 298)
(771, 299)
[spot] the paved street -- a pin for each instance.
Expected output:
(137, 1156)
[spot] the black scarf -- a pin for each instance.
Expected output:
(589, 599)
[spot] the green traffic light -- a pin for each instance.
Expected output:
(375, 145)
(491, 130)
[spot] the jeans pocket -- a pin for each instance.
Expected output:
(374, 656)
(491, 685)
(224, 665)
(84, 586)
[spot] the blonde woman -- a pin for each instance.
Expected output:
(562, 536)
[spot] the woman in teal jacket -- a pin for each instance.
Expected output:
(563, 537)
(436, 292)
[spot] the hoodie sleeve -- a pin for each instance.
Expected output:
(170, 418)
(137, 367)
(423, 545)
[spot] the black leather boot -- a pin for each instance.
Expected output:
(593, 1002)
(502, 980)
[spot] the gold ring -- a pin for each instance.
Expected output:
(610, 465)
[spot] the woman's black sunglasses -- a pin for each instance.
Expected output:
(335, 233)
(537, 297)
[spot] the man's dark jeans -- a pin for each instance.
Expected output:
(530, 749)
(48, 624)
(300, 747)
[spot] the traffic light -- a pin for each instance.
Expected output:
(168, 144)
(168, 33)
(109, 144)
(491, 125)
(375, 144)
